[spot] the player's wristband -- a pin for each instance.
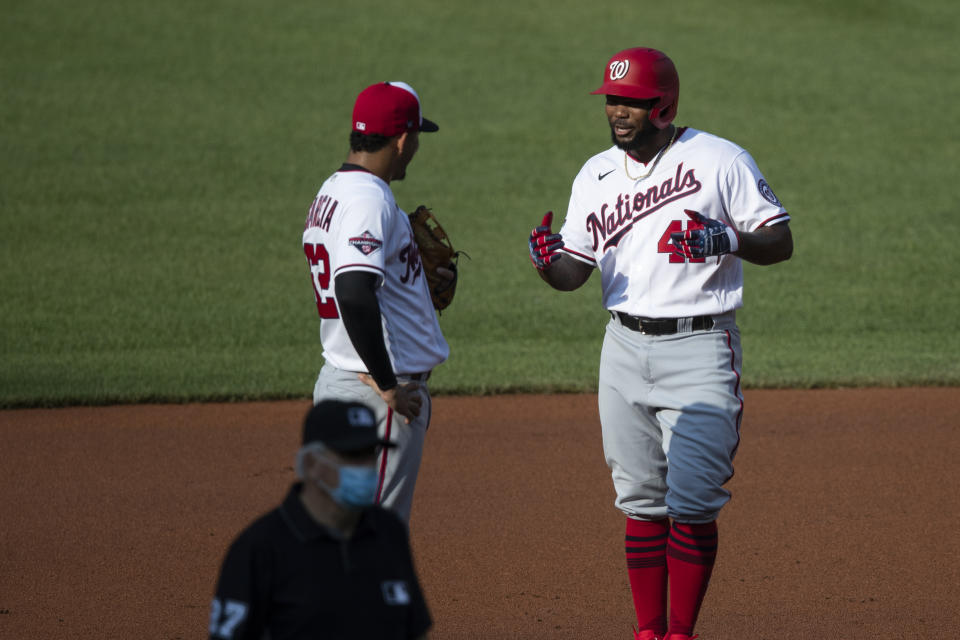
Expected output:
(385, 382)
(734, 239)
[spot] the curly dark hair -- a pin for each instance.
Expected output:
(370, 143)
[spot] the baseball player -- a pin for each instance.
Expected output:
(380, 334)
(326, 563)
(666, 215)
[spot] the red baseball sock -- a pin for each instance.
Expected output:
(646, 547)
(691, 552)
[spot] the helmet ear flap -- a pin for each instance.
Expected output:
(656, 119)
(662, 115)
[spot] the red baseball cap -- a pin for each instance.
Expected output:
(388, 109)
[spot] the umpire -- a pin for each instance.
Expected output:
(327, 563)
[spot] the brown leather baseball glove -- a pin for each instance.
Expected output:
(436, 250)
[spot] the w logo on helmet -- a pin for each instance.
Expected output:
(618, 69)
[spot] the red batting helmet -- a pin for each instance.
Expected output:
(644, 73)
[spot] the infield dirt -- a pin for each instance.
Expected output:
(843, 524)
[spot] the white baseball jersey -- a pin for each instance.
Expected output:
(355, 224)
(622, 225)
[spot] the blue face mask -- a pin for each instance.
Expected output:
(358, 486)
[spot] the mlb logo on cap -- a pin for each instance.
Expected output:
(389, 109)
(360, 417)
(395, 592)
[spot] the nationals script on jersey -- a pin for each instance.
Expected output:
(355, 224)
(622, 225)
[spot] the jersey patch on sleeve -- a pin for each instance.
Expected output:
(365, 243)
(767, 193)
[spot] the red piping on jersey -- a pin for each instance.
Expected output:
(383, 456)
(779, 217)
(577, 253)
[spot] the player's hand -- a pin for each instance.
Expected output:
(544, 244)
(404, 398)
(708, 237)
(449, 276)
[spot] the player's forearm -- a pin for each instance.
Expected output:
(766, 245)
(360, 314)
(566, 273)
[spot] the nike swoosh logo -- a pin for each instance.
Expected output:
(604, 175)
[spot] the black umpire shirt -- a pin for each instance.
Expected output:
(288, 577)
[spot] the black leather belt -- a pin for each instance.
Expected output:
(415, 376)
(663, 326)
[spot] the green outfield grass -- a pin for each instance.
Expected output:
(158, 161)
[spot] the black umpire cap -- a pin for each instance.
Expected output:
(345, 427)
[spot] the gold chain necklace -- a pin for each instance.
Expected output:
(656, 161)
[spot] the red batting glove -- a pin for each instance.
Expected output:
(544, 244)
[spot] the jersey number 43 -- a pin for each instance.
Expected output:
(319, 260)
